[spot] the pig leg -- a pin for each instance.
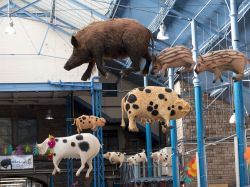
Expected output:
(132, 124)
(89, 162)
(56, 162)
(83, 161)
(217, 74)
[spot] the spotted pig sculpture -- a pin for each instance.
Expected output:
(115, 157)
(84, 146)
(114, 38)
(137, 158)
(154, 104)
(88, 122)
(222, 60)
(173, 57)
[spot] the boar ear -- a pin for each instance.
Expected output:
(74, 41)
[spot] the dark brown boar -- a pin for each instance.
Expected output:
(222, 60)
(115, 38)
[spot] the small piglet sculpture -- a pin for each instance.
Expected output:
(222, 60)
(173, 57)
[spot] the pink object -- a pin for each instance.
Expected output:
(52, 143)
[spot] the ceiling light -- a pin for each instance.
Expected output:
(10, 29)
(49, 115)
(232, 119)
(162, 34)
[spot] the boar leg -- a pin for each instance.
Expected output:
(99, 64)
(147, 65)
(217, 74)
(135, 66)
(238, 77)
(87, 73)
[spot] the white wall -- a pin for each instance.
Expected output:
(20, 60)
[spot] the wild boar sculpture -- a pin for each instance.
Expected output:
(115, 38)
(173, 57)
(222, 60)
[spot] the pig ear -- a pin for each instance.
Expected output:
(74, 41)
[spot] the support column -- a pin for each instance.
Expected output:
(148, 139)
(199, 117)
(69, 132)
(238, 98)
(173, 135)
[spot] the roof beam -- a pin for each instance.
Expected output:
(50, 86)
(81, 5)
(23, 8)
(43, 21)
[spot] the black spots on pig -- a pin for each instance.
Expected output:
(180, 107)
(179, 96)
(161, 96)
(135, 106)
(141, 89)
(132, 98)
(83, 117)
(168, 90)
(79, 137)
(127, 106)
(64, 141)
(147, 90)
(152, 108)
(84, 146)
(172, 113)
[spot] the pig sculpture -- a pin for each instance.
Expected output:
(84, 146)
(137, 158)
(152, 103)
(88, 122)
(115, 38)
(222, 60)
(173, 57)
(115, 157)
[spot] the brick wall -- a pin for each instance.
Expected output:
(220, 157)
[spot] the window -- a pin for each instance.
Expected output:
(109, 86)
(26, 131)
(110, 140)
(5, 131)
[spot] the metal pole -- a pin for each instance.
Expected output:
(93, 113)
(238, 98)
(69, 132)
(199, 116)
(148, 139)
(236, 157)
(173, 136)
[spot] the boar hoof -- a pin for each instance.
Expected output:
(214, 81)
(234, 79)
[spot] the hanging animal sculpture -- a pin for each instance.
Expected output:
(84, 146)
(222, 60)
(152, 103)
(137, 158)
(115, 157)
(88, 122)
(115, 38)
(173, 57)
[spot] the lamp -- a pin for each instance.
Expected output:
(49, 115)
(232, 119)
(162, 34)
(10, 29)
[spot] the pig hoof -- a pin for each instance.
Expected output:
(170, 127)
(214, 81)
(106, 75)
